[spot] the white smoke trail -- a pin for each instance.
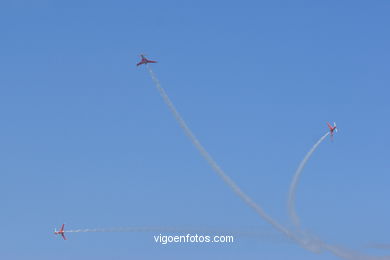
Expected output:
(257, 233)
(314, 245)
(213, 163)
(122, 229)
(155, 229)
(336, 250)
(291, 196)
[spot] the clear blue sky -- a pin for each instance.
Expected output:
(87, 140)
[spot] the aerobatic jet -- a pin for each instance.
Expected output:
(332, 129)
(60, 232)
(144, 60)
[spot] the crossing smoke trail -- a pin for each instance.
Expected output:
(212, 162)
(305, 240)
(291, 196)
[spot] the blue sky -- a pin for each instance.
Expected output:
(87, 140)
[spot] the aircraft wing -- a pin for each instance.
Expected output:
(63, 236)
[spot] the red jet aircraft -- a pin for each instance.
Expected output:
(60, 232)
(332, 129)
(145, 60)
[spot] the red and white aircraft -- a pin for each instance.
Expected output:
(332, 129)
(144, 60)
(60, 232)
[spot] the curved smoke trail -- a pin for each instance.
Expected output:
(213, 163)
(314, 245)
(291, 195)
